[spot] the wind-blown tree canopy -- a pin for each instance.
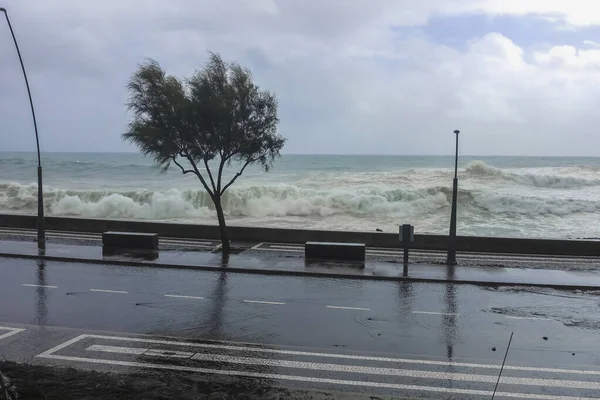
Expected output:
(217, 118)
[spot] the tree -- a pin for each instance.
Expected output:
(217, 118)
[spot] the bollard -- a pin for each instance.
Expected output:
(407, 237)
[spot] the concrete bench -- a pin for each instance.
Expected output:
(130, 240)
(334, 251)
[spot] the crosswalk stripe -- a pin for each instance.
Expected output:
(396, 372)
(11, 331)
(141, 351)
(319, 380)
(356, 369)
(587, 371)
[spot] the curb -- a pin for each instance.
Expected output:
(274, 272)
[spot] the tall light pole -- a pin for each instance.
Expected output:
(41, 231)
(451, 260)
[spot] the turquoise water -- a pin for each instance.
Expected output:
(498, 196)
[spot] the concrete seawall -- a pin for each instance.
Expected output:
(257, 234)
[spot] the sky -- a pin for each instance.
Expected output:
(517, 77)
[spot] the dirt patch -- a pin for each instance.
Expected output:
(38, 382)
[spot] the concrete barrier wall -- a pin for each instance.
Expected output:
(257, 234)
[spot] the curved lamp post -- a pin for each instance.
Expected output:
(451, 260)
(41, 232)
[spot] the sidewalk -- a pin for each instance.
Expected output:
(374, 270)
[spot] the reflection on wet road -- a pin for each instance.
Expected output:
(352, 335)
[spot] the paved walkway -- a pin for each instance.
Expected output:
(375, 270)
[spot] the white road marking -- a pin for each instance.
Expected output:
(439, 253)
(108, 291)
(264, 302)
(62, 346)
(119, 350)
(12, 331)
(256, 246)
(532, 318)
(588, 371)
(186, 242)
(349, 308)
(356, 369)
(290, 247)
(434, 313)
(138, 351)
(309, 379)
(42, 286)
(395, 372)
(168, 353)
(390, 252)
(184, 297)
(93, 236)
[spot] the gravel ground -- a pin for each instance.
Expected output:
(38, 382)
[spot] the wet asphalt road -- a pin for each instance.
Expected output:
(439, 322)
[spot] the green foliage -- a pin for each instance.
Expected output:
(217, 114)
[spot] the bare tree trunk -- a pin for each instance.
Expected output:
(222, 226)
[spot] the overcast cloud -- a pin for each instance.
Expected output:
(518, 77)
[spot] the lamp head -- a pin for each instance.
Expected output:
(457, 131)
(2, 9)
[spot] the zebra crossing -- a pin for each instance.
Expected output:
(384, 375)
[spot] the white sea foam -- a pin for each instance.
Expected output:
(557, 179)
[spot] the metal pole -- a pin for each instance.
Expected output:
(41, 230)
(502, 367)
(451, 259)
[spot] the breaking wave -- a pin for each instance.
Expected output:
(285, 200)
(481, 169)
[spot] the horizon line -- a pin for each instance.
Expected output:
(326, 154)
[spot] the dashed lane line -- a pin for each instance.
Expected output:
(264, 302)
(434, 313)
(41, 286)
(530, 318)
(184, 297)
(349, 308)
(282, 303)
(109, 291)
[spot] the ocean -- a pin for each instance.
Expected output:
(498, 196)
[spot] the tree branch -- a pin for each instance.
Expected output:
(198, 174)
(220, 175)
(236, 176)
(212, 181)
(185, 171)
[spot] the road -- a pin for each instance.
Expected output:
(345, 335)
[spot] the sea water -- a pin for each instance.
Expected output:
(498, 196)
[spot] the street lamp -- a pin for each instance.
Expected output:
(41, 232)
(451, 260)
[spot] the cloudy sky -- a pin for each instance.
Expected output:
(517, 77)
